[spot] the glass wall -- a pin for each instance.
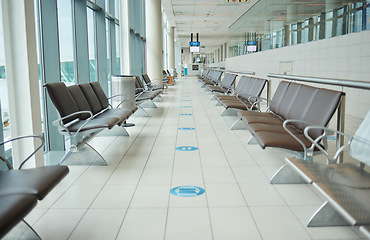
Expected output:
(91, 43)
(67, 63)
(4, 101)
(270, 25)
(82, 48)
(137, 36)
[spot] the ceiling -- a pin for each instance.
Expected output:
(212, 18)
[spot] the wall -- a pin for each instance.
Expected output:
(345, 57)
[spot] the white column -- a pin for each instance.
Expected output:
(22, 78)
(154, 39)
(124, 24)
(171, 47)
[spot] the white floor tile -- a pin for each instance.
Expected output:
(143, 224)
(58, 224)
(187, 175)
(297, 194)
(151, 196)
(188, 223)
(78, 196)
(156, 176)
(250, 174)
(114, 197)
(224, 195)
(278, 223)
(242, 224)
(99, 224)
(125, 176)
(261, 194)
(218, 175)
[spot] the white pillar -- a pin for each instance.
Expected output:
(171, 47)
(153, 15)
(22, 78)
(124, 24)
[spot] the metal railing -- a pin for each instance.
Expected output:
(327, 81)
(335, 82)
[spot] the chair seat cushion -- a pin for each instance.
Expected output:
(35, 181)
(96, 123)
(260, 127)
(266, 120)
(121, 113)
(235, 104)
(281, 140)
(13, 208)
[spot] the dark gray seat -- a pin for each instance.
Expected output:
(293, 101)
(225, 85)
(21, 188)
(153, 86)
(13, 208)
(345, 185)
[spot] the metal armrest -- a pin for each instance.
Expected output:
(19, 138)
(118, 95)
(308, 151)
(59, 122)
(237, 96)
(327, 132)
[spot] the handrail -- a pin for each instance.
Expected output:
(240, 72)
(230, 71)
(328, 81)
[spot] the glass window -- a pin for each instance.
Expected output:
(107, 6)
(118, 62)
(66, 49)
(109, 65)
(91, 43)
(4, 101)
(116, 8)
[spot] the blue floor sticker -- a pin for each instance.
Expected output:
(187, 191)
(186, 148)
(186, 114)
(332, 138)
(186, 128)
(186, 106)
(186, 100)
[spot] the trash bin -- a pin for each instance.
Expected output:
(123, 87)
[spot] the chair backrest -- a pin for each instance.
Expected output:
(301, 104)
(146, 78)
(91, 97)
(359, 146)
(80, 99)
(139, 86)
(228, 80)
(278, 96)
(99, 92)
(288, 100)
(322, 108)
(258, 87)
(63, 100)
(243, 83)
(216, 76)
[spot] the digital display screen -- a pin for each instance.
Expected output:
(195, 49)
(252, 48)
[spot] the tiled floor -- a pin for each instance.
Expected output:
(130, 198)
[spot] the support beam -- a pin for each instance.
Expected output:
(22, 77)
(153, 15)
